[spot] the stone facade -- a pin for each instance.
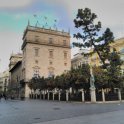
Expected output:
(14, 58)
(46, 53)
(118, 45)
(80, 58)
(4, 80)
(16, 77)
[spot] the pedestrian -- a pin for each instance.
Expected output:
(0, 97)
(4, 95)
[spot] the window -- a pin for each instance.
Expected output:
(64, 42)
(36, 51)
(36, 72)
(51, 53)
(36, 38)
(50, 62)
(65, 64)
(51, 73)
(36, 61)
(50, 41)
(65, 55)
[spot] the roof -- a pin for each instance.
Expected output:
(18, 55)
(16, 65)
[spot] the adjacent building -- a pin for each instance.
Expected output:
(118, 45)
(80, 58)
(4, 81)
(16, 77)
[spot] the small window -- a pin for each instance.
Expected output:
(65, 55)
(51, 74)
(36, 51)
(65, 64)
(64, 42)
(36, 72)
(50, 62)
(50, 41)
(36, 38)
(51, 54)
(36, 61)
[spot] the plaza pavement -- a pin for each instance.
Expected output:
(54, 112)
(116, 117)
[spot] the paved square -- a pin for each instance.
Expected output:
(53, 112)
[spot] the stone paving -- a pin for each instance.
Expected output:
(103, 118)
(53, 112)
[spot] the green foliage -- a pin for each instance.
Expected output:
(114, 70)
(90, 34)
(37, 83)
(76, 78)
(101, 77)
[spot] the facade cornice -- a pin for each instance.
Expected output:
(46, 44)
(46, 31)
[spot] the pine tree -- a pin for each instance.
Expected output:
(90, 34)
(115, 77)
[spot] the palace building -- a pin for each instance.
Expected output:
(46, 52)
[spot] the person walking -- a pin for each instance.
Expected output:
(0, 96)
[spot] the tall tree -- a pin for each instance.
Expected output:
(114, 70)
(91, 34)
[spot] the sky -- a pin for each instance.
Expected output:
(14, 17)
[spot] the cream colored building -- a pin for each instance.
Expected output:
(46, 53)
(80, 58)
(14, 58)
(4, 80)
(16, 77)
(118, 45)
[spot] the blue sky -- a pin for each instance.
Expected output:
(14, 17)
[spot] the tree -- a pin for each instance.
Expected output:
(83, 76)
(91, 38)
(37, 83)
(115, 77)
(101, 77)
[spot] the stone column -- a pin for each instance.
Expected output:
(36, 96)
(48, 95)
(67, 95)
(103, 95)
(93, 94)
(44, 95)
(53, 95)
(119, 95)
(59, 95)
(70, 90)
(82, 95)
(40, 95)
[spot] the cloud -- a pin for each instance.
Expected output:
(14, 3)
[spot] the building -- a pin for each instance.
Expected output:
(4, 80)
(16, 77)
(118, 45)
(14, 58)
(80, 58)
(46, 52)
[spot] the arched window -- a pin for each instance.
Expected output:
(36, 72)
(50, 72)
